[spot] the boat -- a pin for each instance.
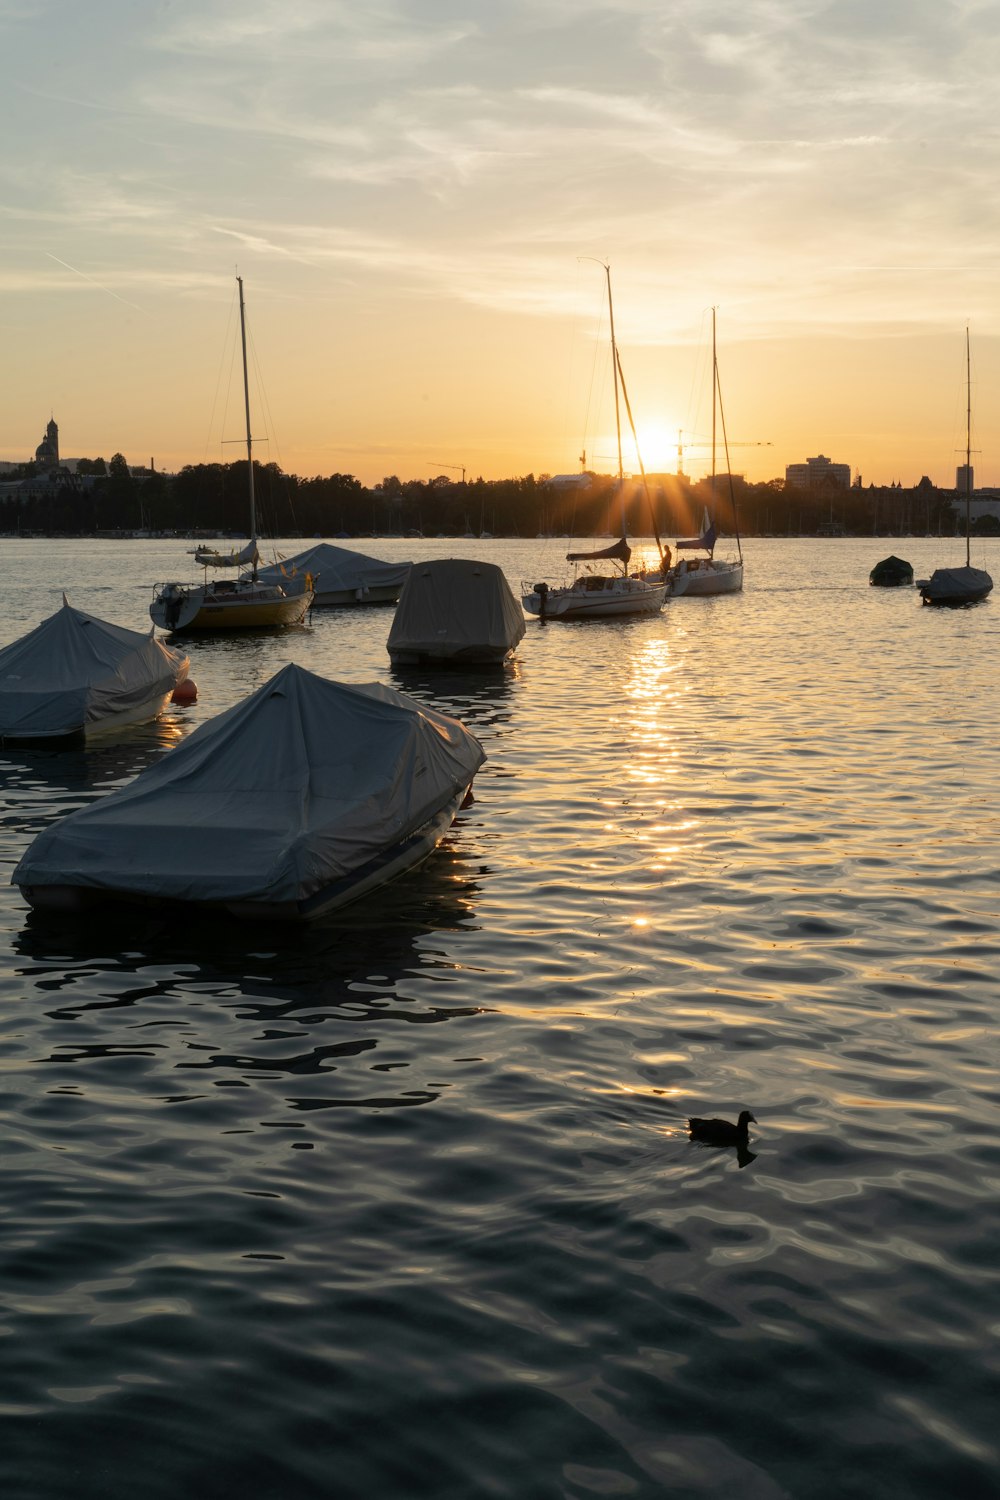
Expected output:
(891, 573)
(300, 799)
(76, 676)
(968, 585)
(703, 573)
(454, 612)
(244, 603)
(602, 595)
(338, 576)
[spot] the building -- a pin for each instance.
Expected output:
(47, 452)
(816, 473)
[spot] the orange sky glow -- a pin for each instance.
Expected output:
(416, 195)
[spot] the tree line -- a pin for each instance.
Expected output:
(104, 496)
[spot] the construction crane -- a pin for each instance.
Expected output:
(459, 468)
(681, 445)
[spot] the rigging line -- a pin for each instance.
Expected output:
(227, 346)
(729, 467)
(263, 404)
(642, 471)
(597, 371)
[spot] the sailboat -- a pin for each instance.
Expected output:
(703, 573)
(245, 603)
(960, 585)
(597, 596)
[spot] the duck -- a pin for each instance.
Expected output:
(722, 1132)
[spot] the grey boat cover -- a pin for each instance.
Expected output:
(957, 585)
(271, 800)
(336, 569)
(73, 670)
(454, 607)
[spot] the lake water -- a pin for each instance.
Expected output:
(405, 1206)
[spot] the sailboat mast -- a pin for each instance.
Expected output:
(715, 402)
(246, 405)
(618, 420)
(968, 446)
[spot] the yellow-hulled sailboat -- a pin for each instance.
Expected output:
(227, 604)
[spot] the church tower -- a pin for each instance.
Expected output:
(47, 452)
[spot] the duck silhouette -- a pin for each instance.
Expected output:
(722, 1132)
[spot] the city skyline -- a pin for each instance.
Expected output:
(416, 197)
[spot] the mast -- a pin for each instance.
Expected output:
(246, 404)
(618, 420)
(968, 444)
(715, 402)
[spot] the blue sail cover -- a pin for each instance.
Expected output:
(620, 551)
(703, 543)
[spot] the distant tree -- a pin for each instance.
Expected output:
(120, 511)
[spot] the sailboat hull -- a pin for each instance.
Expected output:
(592, 598)
(705, 577)
(241, 606)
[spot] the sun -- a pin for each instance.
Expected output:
(657, 447)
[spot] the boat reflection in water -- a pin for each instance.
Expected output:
(375, 955)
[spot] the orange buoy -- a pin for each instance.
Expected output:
(184, 692)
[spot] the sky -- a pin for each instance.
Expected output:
(420, 196)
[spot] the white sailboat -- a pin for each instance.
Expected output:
(960, 585)
(597, 596)
(246, 603)
(703, 573)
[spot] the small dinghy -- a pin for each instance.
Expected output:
(455, 613)
(300, 799)
(75, 676)
(891, 573)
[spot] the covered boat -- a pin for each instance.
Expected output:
(891, 573)
(955, 586)
(968, 585)
(454, 612)
(338, 575)
(76, 675)
(295, 802)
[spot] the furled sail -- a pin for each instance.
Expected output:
(703, 543)
(621, 551)
(206, 558)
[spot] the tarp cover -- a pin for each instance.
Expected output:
(958, 584)
(620, 550)
(292, 788)
(891, 569)
(336, 569)
(454, 606)
(207, 558)
(73, 670)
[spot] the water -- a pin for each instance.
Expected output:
(404, 1205)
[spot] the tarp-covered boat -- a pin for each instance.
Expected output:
(891, 573)
(296, 801)
(454, 612)
(955, 586)
(75, 674)
(339, 576)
